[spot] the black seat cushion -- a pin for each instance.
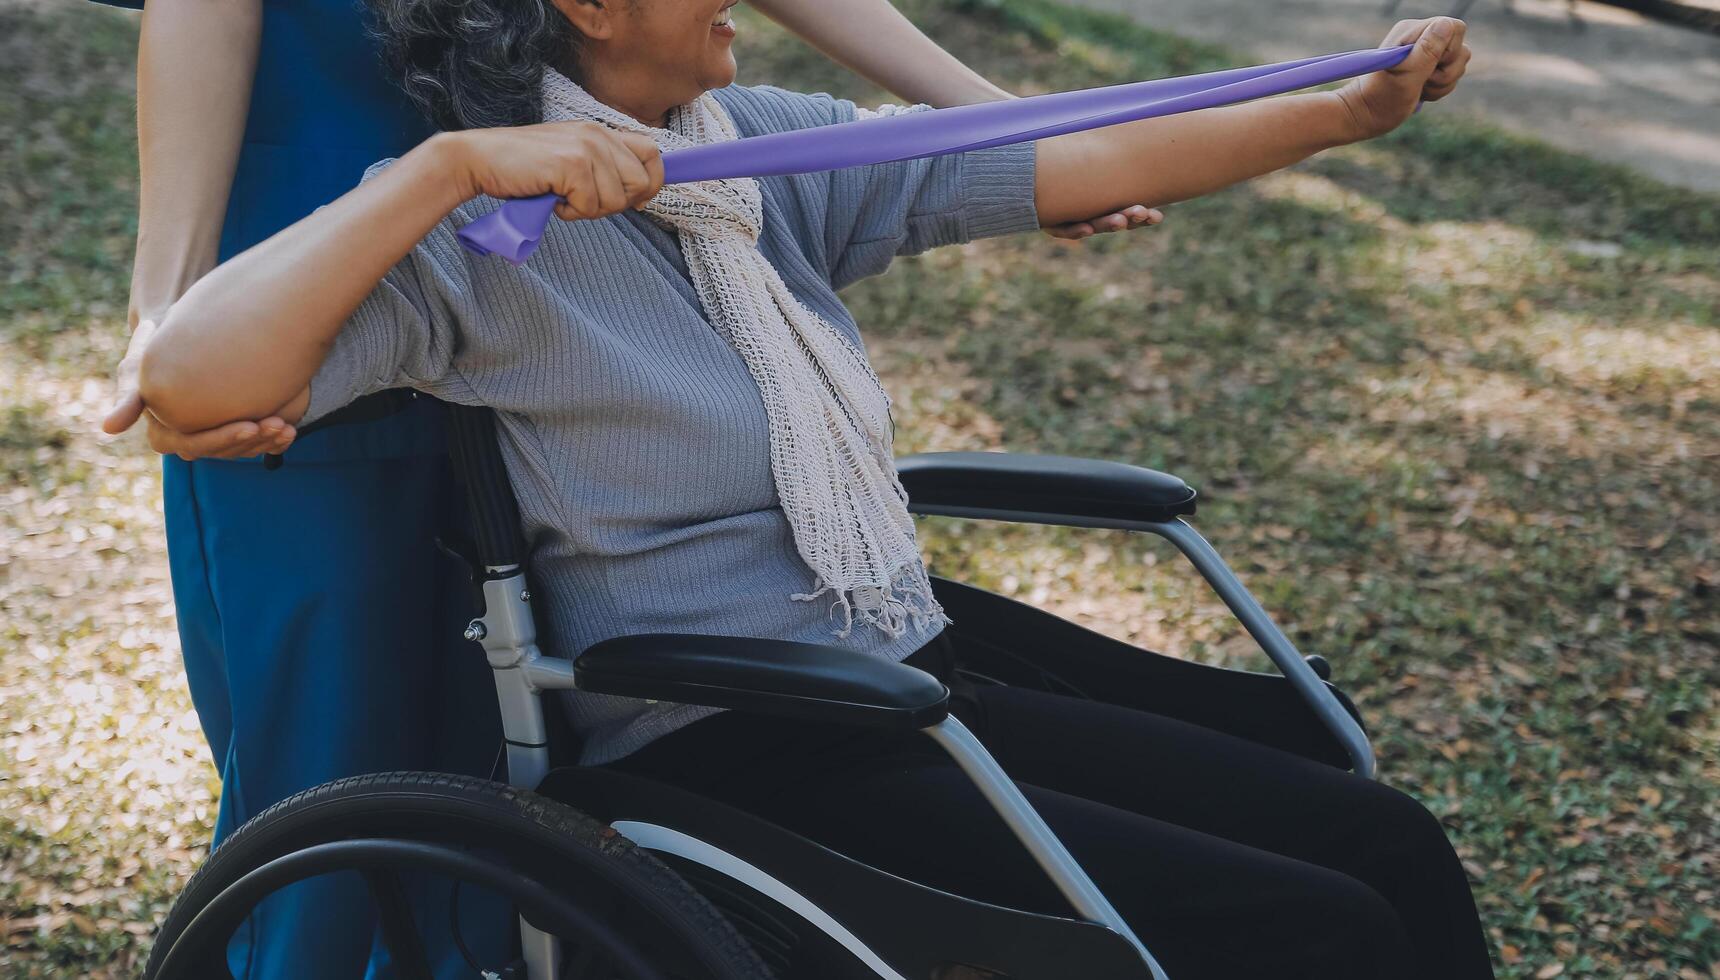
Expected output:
(779, 677)
(918, 931)
(1006, 483)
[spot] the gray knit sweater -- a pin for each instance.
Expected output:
(635, 438)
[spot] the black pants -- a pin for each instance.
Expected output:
(1230, 859)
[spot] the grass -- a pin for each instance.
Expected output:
(1452, 400)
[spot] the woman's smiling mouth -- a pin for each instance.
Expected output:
(724, 25)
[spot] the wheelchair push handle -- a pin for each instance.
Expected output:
(489, 494)
(478, 465)
(370, 408)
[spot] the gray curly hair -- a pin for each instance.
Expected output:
(470, 64)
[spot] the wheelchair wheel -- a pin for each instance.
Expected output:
(621, 913)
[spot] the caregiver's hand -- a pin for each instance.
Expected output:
(234, 440)
(1380, 102)
(595, 170)
(1128, 219)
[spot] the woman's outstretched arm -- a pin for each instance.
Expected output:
(246, 340)
(1161, 161)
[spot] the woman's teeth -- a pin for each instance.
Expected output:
(725, 18)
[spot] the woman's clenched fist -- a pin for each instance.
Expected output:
(595, 170)
(1380, 102)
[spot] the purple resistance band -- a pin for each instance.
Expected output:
(514, 230)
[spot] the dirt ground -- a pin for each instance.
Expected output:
(1617, 87)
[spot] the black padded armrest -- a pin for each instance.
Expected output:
(1010, 486)
(777, 677)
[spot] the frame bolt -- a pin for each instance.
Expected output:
(525, 595)
(475, 631)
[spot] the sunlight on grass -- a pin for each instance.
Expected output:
(1323, 194)
(1667, 356)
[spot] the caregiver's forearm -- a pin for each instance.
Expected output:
(195, 60)
(1174, 158)
(245, 341)
(874, 39)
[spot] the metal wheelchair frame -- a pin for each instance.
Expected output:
(507, 631)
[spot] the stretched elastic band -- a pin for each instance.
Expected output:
(514, 230)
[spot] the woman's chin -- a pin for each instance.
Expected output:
(721, 74)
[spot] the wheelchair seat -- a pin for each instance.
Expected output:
(813, 913)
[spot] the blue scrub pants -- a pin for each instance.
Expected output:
(321, 634)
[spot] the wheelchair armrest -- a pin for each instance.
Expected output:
(776, 677)
(1013, 486)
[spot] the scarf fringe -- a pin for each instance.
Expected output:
(905, 601)
(829, 416)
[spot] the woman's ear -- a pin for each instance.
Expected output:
(590, 17)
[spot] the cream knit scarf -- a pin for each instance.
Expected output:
(830, 433)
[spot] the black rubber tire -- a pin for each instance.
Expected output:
(561, 845)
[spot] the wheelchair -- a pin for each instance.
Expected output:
(618, 877)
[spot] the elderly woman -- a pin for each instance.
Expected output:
(699, 443)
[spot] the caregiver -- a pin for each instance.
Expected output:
(697, 440)
(319, 626)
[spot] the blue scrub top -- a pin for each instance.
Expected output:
(322, 110)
